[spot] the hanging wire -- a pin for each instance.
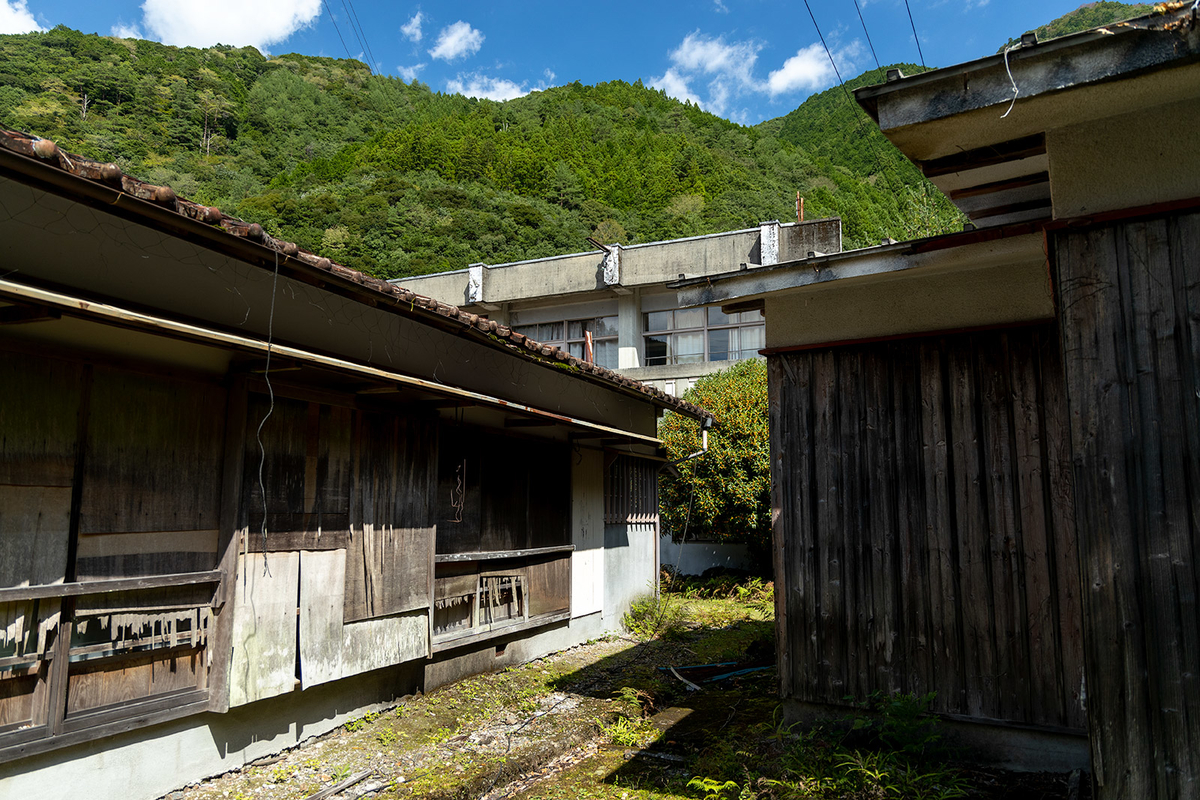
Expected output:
(1015, 90)
(365, 43)
(336, 28)
(827, 53)
(916, 38)
(868, 35)
(262, 451)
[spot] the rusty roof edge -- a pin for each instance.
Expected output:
(67, 173)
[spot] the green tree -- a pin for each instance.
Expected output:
(724, 494)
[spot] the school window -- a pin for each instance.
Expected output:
(572, 336)
(693, 335)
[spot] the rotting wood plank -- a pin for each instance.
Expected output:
(392, 517)
(322, 586)
(264, 635)
(232, 529)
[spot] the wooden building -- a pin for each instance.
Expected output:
(246, 492)
(986, 445)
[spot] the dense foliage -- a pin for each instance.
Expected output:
(1088, 15)
(396, 179)
(724, 495)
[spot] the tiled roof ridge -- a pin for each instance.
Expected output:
(111, 175)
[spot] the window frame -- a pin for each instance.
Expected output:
(672, 357)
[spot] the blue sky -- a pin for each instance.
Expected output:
(747, 60)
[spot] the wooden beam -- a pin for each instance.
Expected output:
(78, 589)
(116, 315)
(1012, 150)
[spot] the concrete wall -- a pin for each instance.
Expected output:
(693, 558)
(148, 763)
(639, 265)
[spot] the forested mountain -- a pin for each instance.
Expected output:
(1088, 15)
(395, 179)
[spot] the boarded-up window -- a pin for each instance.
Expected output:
(389, 552)
(306, 466)
(497, 493)
(152, 477)
(631, 491)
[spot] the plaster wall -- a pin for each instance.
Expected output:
(629, 567)
(892, 305)
(1124, 161)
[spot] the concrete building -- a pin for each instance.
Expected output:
(617, 297)
(247, 494)
(612, 306)
(986, 446)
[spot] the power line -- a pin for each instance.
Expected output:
(359, 34)
(831, 61)
(336, 28)
(916, 38)
(868, 35)
(354, 13)
(874, 150)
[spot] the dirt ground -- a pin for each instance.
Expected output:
(607, 719)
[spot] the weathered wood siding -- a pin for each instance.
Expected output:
(1130, 299)
(923, 531)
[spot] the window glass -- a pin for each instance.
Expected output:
(718, 317)
(689, 318)
(689, 347)
(527, 330)
(575, 328)
(657, 350)
(751, 316)
(718, 344)
(605, 326)
(550, 331)
(575, 349)
(753, 339)
(606, 353)
(658, 321)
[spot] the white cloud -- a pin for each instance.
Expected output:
(734, 61)
(230, 22)
(412, 29)
(457, 41)
(409, 74)
(674, 85)
(476, 84)
(728, 66)
(721, 7)
(123, 31)
(15, 18)
(808, 69)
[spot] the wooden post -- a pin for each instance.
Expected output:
(233, 525)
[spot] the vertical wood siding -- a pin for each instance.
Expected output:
(923, 528)
(1130, 298)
